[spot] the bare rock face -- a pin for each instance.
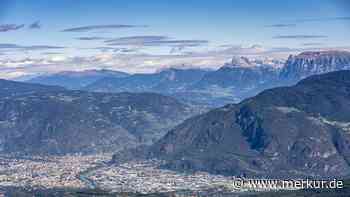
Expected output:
(299, 131)
(240, 62)
(312, 63)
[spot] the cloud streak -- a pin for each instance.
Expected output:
(42, 47)
(91, 38)
(136, 40)
(10, 27)
(182, 43)
(51, 53)
(7, 46)
(100, 27)
(299, 36)
(342, 18)
(104, 49)
(154, 41)
(281, 25)
(35, 25)
(312, 44)
(306, 20)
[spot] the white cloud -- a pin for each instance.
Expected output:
(11, 75)
(139, 62)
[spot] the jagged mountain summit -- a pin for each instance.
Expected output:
(237, 76)
(50, 120)
(300, 131)
(76, 79)
(241, 61)
(312, 63)
(244, 78)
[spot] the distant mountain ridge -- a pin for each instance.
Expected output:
(75, 79)
(12, 88)
(212, 88)
(288, 132)
(171, 82)
(168, 80)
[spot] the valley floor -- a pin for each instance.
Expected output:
(92, 172)
(46, 172)
(93, 175)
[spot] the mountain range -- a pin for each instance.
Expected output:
(76, 79)
(166, 81)
(37, 119)
(12, 88)
(299, 131)
(241, 78)
(235, 81)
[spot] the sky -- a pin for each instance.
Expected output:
(43, 37)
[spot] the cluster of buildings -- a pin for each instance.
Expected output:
(92, 172)
(147, 177)
(45, 172)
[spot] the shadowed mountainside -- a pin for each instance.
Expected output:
(298, 131)
(51, 120)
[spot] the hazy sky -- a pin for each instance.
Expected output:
(41, 36)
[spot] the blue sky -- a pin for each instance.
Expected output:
(143, 36)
